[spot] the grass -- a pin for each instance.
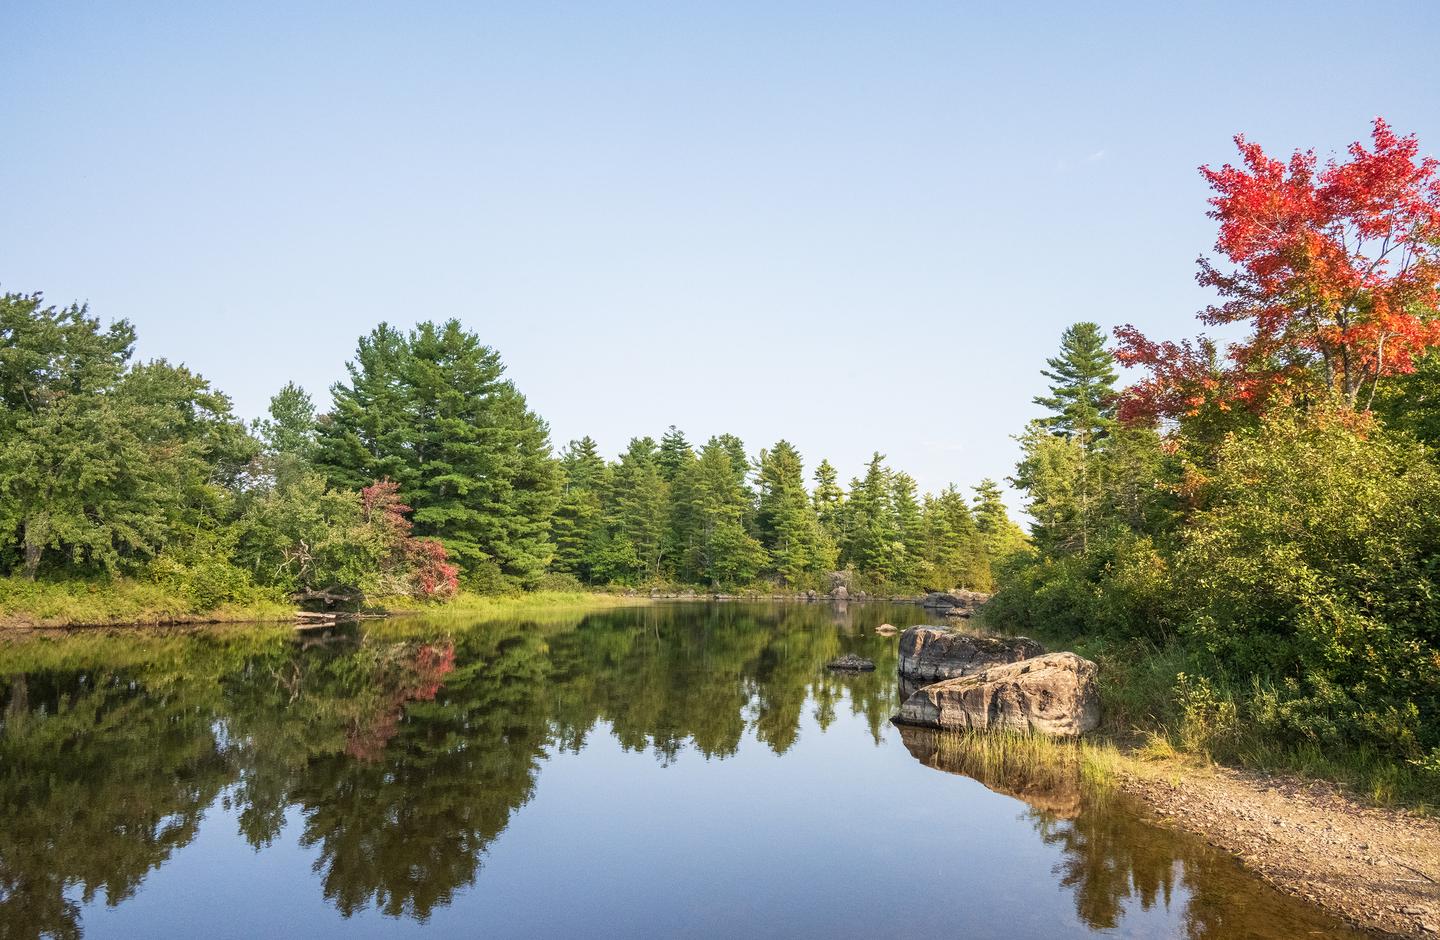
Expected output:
(122, 601)
(1150, 723)
(136, 602)
(510, 605)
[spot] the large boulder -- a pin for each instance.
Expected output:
(1053, 694)
(929, 654)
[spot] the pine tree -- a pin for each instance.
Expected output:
(909, 533)
(953, 553)
(289, 434)
(432, 412)
(1082, 385)
(873, 534)
(785, 518)
(579, 524)
(637, 515)
(740, 466)
(829, 502)
(675, 453)
(998, 533)
(724, 551)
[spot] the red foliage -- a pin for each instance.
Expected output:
(416, 676)
(380, 502)
(424, 560)
(1335, 268)
(432, 573)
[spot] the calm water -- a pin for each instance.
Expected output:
(677, 770)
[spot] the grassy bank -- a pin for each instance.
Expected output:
(1169, 707)
(130, 602)
(120, 601)
(501, 606)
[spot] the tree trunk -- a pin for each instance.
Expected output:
(34, 546)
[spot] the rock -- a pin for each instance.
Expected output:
(851, 663)
(957, 613)
(841, 593)
(886, 629)
(934, 653)
(1052, 694)
(944, 600)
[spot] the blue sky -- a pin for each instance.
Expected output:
(860, 226)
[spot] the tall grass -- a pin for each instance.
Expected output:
(120, 601)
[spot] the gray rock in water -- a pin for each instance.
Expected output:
(1054, 694)
(851, 663)
(944, 600)
(886, 629)
(934, 653)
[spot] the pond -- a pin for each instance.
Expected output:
(676, 769)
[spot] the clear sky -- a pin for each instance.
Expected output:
(860, 226)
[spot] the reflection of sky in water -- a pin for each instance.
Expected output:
(837, 836)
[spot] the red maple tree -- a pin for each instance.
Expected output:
(1336, 268)
(424, 562)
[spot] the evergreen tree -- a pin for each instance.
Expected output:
(1082, 385)
(637, 517)
(788, 526)
(432, 412)
(579, 524)
(909, 531)
(953, 555)
(873, 534)
(289, 434)
(724, 553)
(675, 453)
(998, 533)
(829, 502)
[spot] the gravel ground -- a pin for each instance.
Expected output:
(1377, 868)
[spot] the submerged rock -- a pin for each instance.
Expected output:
(1054, 694)
(851, 663)
(886, 629)
(934, 653)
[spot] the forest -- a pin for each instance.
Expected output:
(428, 474)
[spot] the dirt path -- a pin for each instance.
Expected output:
(1377, 868)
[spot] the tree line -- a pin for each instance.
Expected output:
(429, 471)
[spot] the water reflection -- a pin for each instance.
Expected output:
(1111, 860)
(406, 749)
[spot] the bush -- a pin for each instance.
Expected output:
(1313, 564)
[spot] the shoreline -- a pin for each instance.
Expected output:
(22, 623)
(15, 623)
(1375, 867)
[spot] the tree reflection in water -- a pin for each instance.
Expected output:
(1110, 858)
(407, 748)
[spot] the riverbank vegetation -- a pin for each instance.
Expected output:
(132, 492)
(1247, 537)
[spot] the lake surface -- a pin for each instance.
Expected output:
(671, 770)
